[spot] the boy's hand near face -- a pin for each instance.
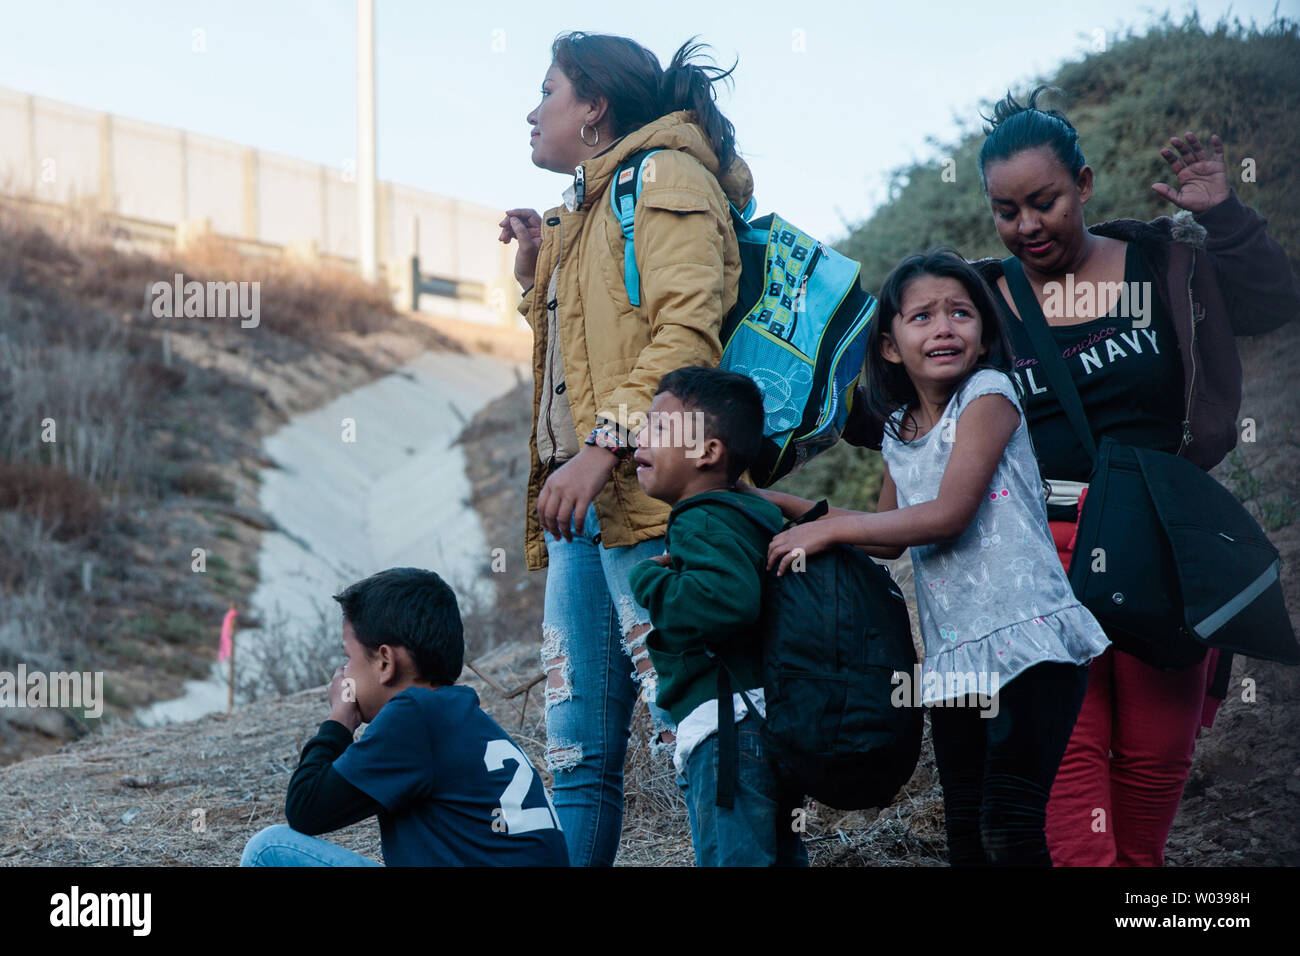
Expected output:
(343, 701)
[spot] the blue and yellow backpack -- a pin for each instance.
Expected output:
(798, 328)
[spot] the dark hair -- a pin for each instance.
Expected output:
(889, 387)
(628, 77)
(1014, 127)
(732, 407)
(409, 608)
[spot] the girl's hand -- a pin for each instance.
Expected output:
(792, 506)
(1202, 177)
(572, 488)
(525, 226)
(664, 560)
(806, 539)
(745, 488)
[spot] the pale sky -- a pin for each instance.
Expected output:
(827, 99)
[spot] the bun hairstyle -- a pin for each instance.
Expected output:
(1015, 127)
(629, 78)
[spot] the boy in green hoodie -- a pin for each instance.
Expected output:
(704, 597)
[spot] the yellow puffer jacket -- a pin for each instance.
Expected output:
(615, 353)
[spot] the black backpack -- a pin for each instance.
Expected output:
(833, 637)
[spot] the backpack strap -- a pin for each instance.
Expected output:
(623, 197)
(1049, 353)
(728, 739)
(740, 221)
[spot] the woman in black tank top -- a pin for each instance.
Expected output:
(1134, 359)
(1125, 366)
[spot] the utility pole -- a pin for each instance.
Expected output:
(368, 253)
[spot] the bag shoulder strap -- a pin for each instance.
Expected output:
(812, 514)
(1049, 353)
(623, 197)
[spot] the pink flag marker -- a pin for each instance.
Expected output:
(227, 634)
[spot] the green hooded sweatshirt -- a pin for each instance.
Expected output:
(709, 598)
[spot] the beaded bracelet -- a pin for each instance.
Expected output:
(607, 437)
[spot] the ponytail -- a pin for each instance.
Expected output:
(1014, 127)
(689, 86)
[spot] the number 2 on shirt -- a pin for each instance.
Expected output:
(517, 819)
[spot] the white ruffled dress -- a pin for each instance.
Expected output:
(996, 600)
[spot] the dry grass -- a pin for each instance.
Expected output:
(67, 505)
(128, 797)
(290, 655)
(157, 426)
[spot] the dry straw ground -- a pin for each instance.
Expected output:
(158, 425)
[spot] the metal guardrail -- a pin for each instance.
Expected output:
(150, 232)
(134, 229)
(439, 285)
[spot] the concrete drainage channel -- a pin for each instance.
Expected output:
(390, 496)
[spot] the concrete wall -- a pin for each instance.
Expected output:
(120, 167)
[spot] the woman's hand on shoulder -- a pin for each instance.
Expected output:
(525, 227)
(1202, 175)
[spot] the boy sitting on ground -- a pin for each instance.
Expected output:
(448, 784)
(704, 597)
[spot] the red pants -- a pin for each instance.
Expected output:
(1122, 777)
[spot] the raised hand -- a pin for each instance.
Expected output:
(525, 226)
(1202, 176)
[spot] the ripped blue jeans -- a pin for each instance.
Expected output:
(592, 684)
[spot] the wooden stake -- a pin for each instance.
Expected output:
(230, 703)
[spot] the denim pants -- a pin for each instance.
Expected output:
(592, 684)
(282, 845)
(760, 828)
(997, 772)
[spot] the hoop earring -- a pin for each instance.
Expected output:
(582, 137)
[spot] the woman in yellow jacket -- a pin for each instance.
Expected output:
(597, 360)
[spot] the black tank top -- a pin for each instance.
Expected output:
(1130, 379)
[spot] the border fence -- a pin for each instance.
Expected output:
(164, 185)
